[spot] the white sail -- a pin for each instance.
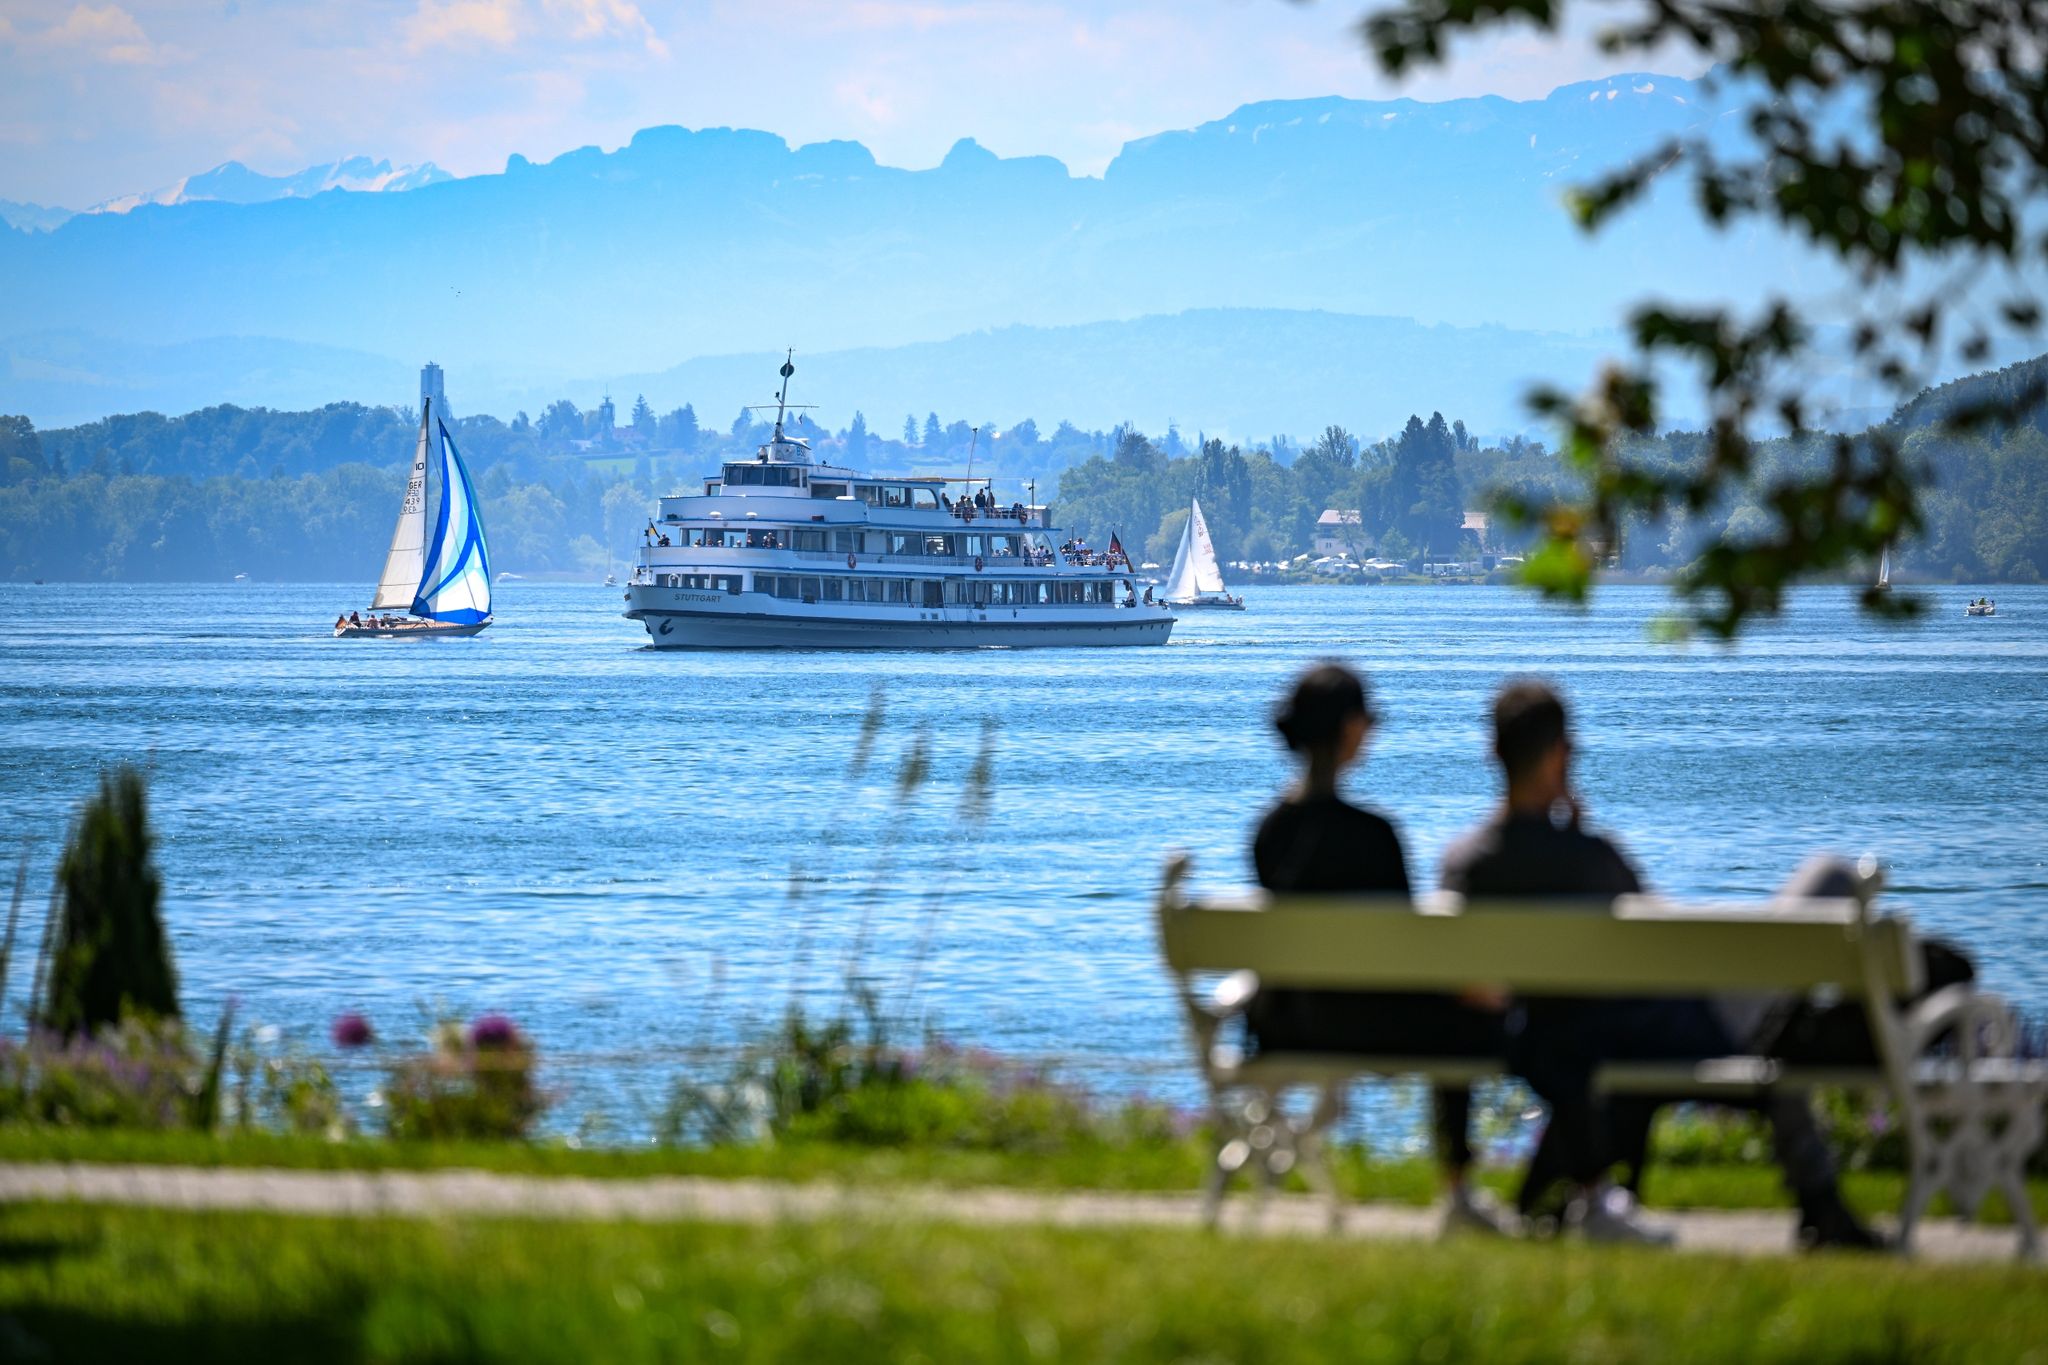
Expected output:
(455, 585)
(1195, 570)
(403, 565)
(1884, 568)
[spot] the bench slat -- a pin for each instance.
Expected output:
(1337, 945)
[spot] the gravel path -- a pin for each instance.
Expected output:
(430, 1194)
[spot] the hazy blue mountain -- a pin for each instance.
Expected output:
(1242, 372)
(31, 217)
(62, 378)
(1246, 372)
(721, 241)
(233, 183)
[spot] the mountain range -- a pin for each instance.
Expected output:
(233, 183)
(723, 242)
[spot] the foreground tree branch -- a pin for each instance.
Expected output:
(1906, 138)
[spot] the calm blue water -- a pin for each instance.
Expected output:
(601, 841)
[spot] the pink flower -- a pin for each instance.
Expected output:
(352, 1030)
(493, 1032)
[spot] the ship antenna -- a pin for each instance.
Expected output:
(782, 394)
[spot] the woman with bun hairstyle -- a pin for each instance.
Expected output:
(1315, 841)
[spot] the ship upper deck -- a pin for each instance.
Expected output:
(786, 492)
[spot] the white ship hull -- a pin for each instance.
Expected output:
(673, 621)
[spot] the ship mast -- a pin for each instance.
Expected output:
(782, 394)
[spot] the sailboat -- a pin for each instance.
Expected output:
(1884, 570)
(1196, 579)
(443, 582)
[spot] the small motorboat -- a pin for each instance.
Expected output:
(1986, 607)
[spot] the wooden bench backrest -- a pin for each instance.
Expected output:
(1638, 946)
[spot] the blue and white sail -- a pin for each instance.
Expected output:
(455, 586)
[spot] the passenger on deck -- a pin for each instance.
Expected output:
(1315, 841)
(355, 619)
(1534, 848)
(340, 620)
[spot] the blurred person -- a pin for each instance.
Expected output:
(1534, 848)
(1314, 841)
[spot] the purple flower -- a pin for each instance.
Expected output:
(352, 1030)
(493, 1031)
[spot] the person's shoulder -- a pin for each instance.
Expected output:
(1467, 851)
(1600, 847)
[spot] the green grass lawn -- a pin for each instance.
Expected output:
(99, 1284)
(1149, 1166)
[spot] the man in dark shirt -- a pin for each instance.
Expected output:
(1535, 847)
(1315, 841)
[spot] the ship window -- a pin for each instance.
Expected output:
(898, 590)
(925, 497)
(786, 586)
(1008, 545)
(808, 540)
(867, 493)
(902, 544)
(810, 589)
(835, 589)
(828, 490)
(931, 596)
(938, 545)
(845, 540)
(895, 497)
(952, 590)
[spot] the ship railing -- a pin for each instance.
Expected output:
(963, 511)
(930, 561)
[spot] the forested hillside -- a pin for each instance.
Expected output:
(311, 495)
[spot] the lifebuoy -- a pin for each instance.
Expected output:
(977, 563)
(850, 561)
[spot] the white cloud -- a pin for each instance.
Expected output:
(598, 19)
(448, 23)
(105, 33)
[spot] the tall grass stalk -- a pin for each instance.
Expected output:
(977, 797)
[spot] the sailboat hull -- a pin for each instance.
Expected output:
(1206, 604)
(410, 630)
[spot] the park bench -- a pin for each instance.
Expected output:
(1970, 1111)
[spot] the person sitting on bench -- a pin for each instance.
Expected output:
(1535, 848)
(1315, 841)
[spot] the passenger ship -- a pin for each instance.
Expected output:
(783, 552)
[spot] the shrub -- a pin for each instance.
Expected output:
(139, 1074)
(477, 1084)
(825, 1083)
(111, 957)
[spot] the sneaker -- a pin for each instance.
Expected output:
(1610, 1215)
(1470, 1210)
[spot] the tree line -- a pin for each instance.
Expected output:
(311, 495)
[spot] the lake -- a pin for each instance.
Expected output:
(628, 851)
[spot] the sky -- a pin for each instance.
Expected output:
(103, 100)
